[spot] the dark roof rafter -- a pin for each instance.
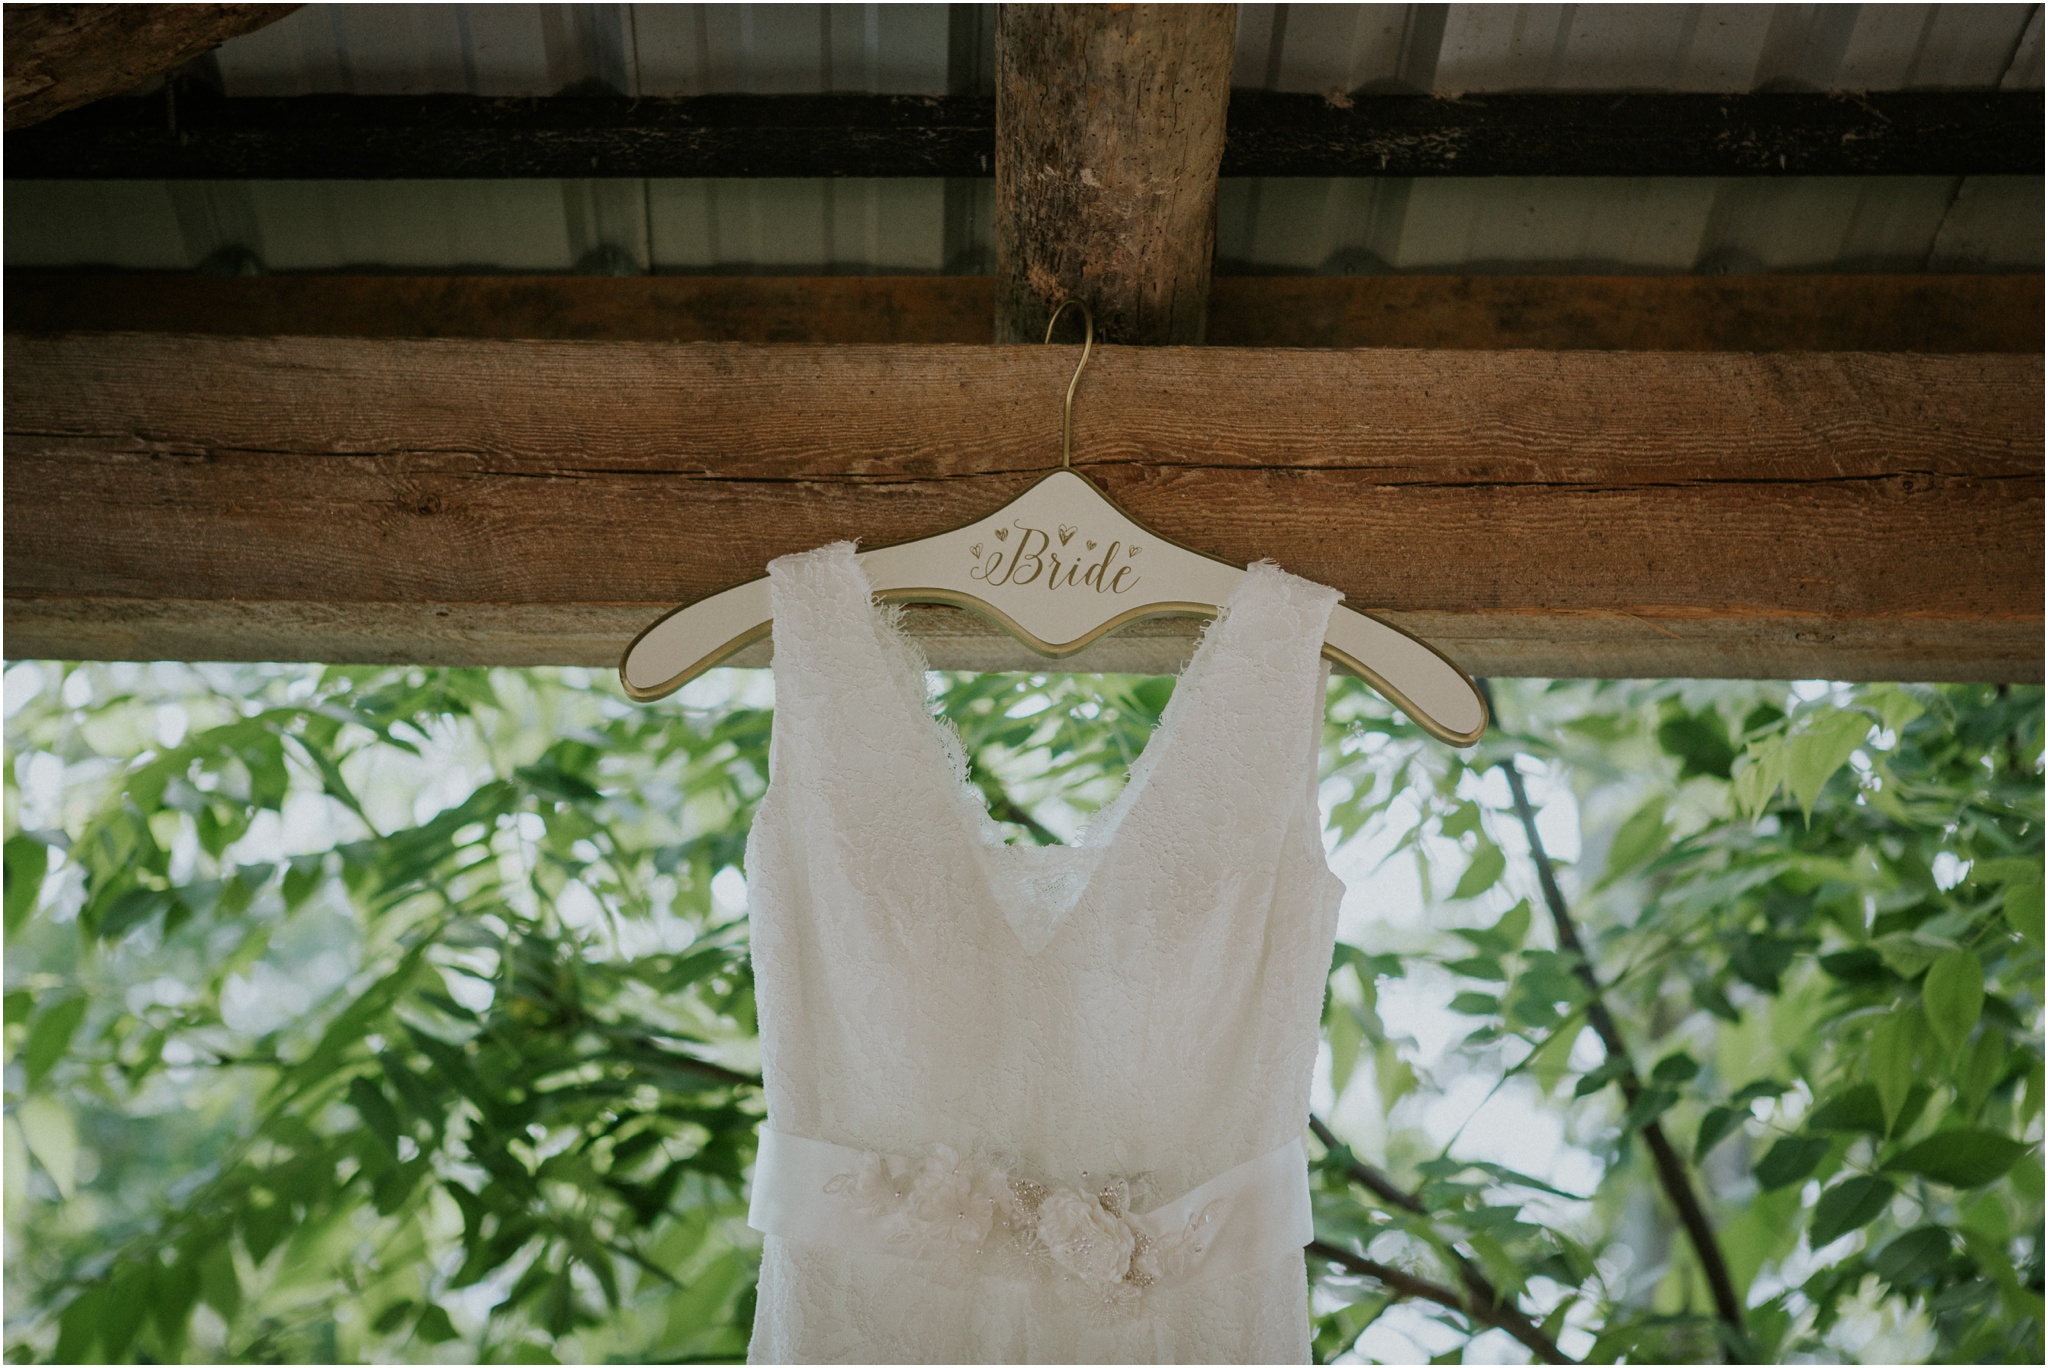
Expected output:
(186, 135)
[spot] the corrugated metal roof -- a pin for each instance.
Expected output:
(1470, 48)
(626, 49)
(881, 226)
(919, 49)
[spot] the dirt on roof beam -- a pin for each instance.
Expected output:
(442, 137)
(61, 56)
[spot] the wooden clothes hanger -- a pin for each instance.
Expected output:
(1058, 567)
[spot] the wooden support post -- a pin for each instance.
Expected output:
(1109, 132)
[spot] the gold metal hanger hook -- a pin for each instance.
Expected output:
(1087, 345)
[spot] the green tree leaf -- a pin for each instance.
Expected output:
(434, 1327)
(1513, 926)
(376, 1110)
(1758, 776)
(26, 860)
(1983, 1070)
(52, 1135)
(1717, 1125)
(1849, 1205)
(1963, 1158)
(1789, 1161)
(2022, 908)
(1650, 1104)
(49, 1035)
(1952, 997)
(1913, 1255)
(1341, 1029)
(78, 1329)
(1896, 706)
(1701, 741)
(1488, 864)
(1641, 837)
(1813, 754)
(1892, 1047)
(219, 1286)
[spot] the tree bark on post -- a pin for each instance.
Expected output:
(63, 56)
(1109, 132)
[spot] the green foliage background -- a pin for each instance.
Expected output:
(366, 1014)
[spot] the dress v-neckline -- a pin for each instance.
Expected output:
(1077, 864)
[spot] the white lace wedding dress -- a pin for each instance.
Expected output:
(1036, 1104)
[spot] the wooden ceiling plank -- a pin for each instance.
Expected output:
(1742, 313)
(1793, 515)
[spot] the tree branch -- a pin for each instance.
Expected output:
(1365, 1175)
(1671, 1169)
(1003, 808)
(1502, 1312)
(1410, 1286)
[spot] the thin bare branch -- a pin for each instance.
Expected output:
(1672, 1173)
(1410, 1286)
(1501, 1311)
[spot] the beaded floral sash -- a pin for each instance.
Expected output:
(983, 1222)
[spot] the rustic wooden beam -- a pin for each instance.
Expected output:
(62, 56)
(1733, 313)
(1109, 130)
(189, 133)
(1587, 513)
(1875, 133)
(454, 137)
(1750, 313)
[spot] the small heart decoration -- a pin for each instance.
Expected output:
(1136, 549)
(1066, 534)
(975, 550)
(1091, 546)
(1002, 534)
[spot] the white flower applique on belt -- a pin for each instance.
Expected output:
(944, 1206)
(975, 1220)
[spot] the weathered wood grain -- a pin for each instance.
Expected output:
(1734, 313)
(62, 56)
(1604, 645)
(1109, 130)
(1569, 513)
(1888, 313)
(657, 308)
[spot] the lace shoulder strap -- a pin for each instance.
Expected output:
(850, 687)
(833, 649)
(1252, 697)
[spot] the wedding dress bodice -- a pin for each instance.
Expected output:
(1138, 1009)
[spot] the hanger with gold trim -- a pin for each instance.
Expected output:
(1058, 567)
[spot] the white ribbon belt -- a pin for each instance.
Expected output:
(947, 1207)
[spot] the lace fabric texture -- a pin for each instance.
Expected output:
(1139, 1007)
